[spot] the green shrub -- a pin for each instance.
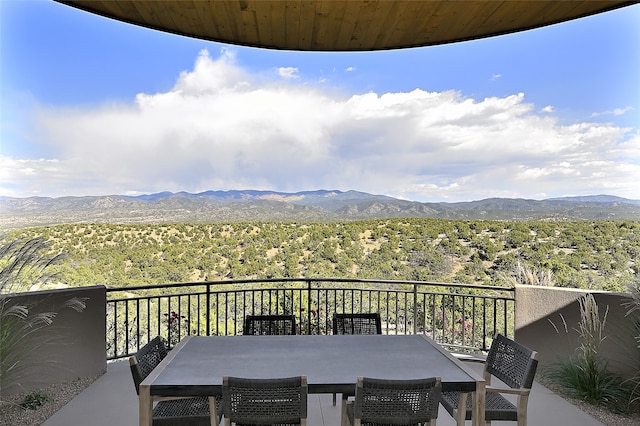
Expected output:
(35, 400)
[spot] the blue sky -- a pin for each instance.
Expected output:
(92, 106)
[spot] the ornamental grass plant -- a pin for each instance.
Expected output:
(525, 274)
(23, 264)
(586, 376)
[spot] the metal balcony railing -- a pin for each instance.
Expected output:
(460, 317)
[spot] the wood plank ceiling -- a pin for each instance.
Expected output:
(338, 25)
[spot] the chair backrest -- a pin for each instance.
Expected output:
(147, 358)
(366, 323)
(397, 402)
(264, 401)
(269, 325)
(511, 362)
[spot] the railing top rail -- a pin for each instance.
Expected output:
(309, 280)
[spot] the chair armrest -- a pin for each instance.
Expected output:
(522, 392)
(469, 357)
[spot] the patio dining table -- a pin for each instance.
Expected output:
(332, 364)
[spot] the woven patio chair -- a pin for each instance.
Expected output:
(275, 402)
(171, 411)
(512, 363)
(382, 402)
(360, 323)
(365, 323)
(269, 325)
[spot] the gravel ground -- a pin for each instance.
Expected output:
(599, 413)
(11, 414)
(606, 416)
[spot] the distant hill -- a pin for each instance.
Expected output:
(321, 205)
(596, 199)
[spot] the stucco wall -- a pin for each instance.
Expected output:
(73, 346)
(547, 320)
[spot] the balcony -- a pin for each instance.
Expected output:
(112, 400)
(462, 318)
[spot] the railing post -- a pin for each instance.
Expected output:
(208, 312)
(415, 309)
(115, 329)
(309, 306)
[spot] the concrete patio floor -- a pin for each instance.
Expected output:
(111, 400)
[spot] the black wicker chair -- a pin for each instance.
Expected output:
(357, 323)
(269, 325)
(275, 402)
(170, 412)
(381, 402)
(361, 323)
(512, 363)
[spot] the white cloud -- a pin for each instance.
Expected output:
(548, 109)
(288, 72)
(350, 69)
(617, 111)
(221, 128)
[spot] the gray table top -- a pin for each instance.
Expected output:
(331, 363)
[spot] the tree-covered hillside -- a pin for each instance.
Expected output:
(584, 254)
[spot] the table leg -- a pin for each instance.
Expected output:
(344, 420)
(145, 406)
(461, 414)
(213, 409)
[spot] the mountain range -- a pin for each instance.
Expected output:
(320, 205)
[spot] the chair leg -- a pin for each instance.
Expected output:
(334, 399)
(522, 410)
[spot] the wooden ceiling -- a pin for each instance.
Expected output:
(339, 25)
